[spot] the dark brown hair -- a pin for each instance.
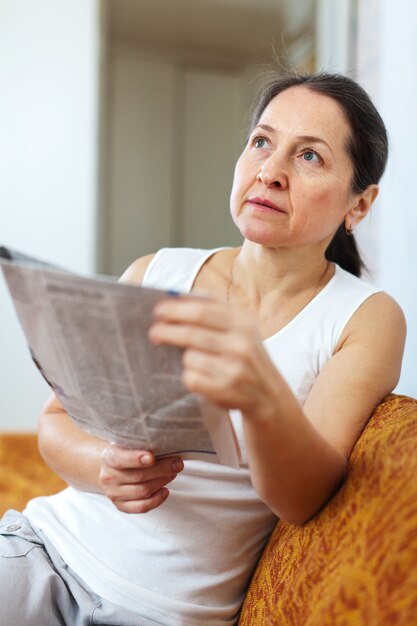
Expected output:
(367, 145)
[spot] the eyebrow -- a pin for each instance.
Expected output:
(265, 127)
(312, 139)
(307, 138)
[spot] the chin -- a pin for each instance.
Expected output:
(261, 235)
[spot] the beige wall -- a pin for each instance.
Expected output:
(139, 188)
(174, 132)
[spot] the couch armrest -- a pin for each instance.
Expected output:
(355, 562)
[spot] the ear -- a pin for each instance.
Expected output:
(360, 206)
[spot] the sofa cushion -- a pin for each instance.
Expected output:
(355, 562)
(23, 472)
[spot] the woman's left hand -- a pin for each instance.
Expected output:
(224, 358)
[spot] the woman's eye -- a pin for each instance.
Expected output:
(311, 156)
(259, 142)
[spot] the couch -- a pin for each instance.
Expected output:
(353, 564)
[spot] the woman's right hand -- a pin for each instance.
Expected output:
(134, 480)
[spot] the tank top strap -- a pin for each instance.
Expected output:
(176, 268)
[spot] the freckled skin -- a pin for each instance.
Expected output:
(315, 191)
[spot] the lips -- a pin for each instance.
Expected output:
(263, 202)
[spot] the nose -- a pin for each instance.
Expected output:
(272, 173)
(267, 181)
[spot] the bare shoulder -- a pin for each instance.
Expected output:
(215, 272)
(375, 338)
(136, 271)
(381, 317)
(384, 304)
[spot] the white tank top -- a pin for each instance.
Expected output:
(189, 561)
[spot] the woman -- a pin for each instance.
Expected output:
(299, 349)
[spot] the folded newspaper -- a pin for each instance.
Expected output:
(88, 337)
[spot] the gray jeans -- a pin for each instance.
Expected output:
(38, 589)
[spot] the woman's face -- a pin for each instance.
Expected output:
(292, 183)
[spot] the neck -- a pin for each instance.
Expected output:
(258, 274)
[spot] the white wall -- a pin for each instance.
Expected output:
(49, 57)
(381, 56)
(386, 68)
(396, 223)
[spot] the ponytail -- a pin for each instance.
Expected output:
(344, 251)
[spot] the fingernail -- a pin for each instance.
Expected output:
(146, 459)
(164, 493)
(177, 465)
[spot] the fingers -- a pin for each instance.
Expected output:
(225, 381)
(123, 458)
(140, 497)
(121, 470)
(134, 480)
(143, 506)
(185, 335)
(224, 358)
(199, 311)
(138, 491)
(203, 325)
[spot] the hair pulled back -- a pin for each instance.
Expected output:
(367, 145)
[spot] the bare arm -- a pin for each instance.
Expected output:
(313, 444)
(297, 456)
(69, 451)
(132, 479)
